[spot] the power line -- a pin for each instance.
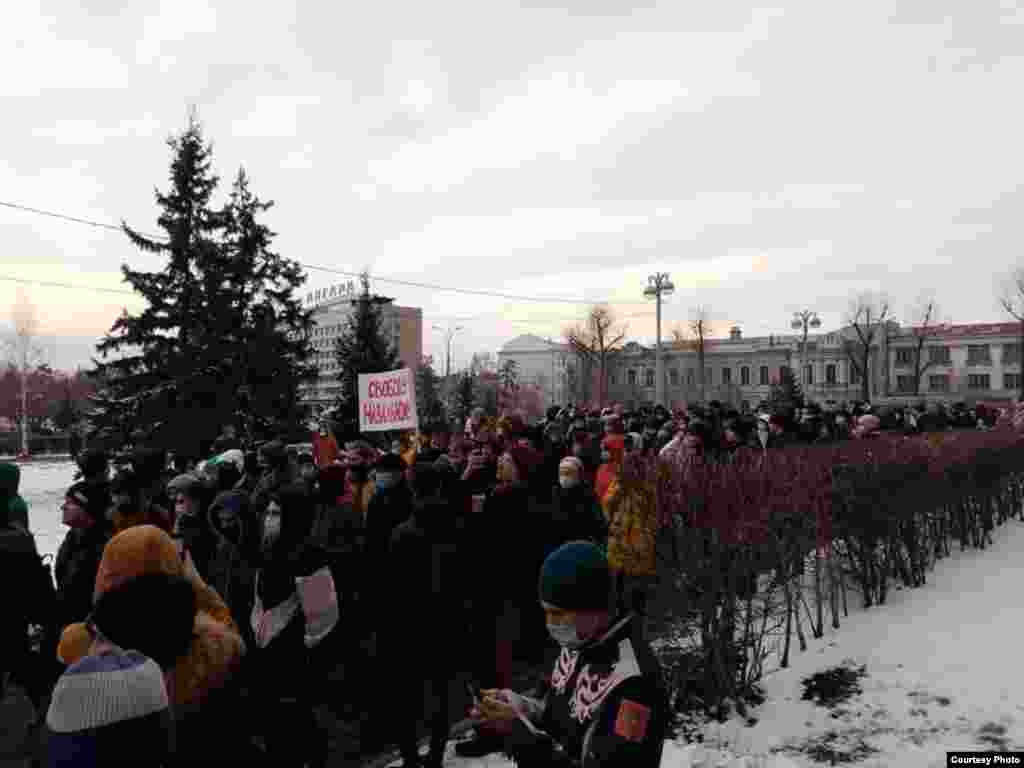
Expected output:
(391, 280)
(52, 284)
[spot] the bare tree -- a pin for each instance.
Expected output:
(924, 326)
(24, 353)
(1012, 301)
(867, 316)
(693, 338)
(596, 341)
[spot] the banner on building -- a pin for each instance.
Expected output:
(387, 401)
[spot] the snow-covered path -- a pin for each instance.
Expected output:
(943, 667)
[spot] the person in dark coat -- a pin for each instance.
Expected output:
(29, 598)
(228, 570)
(606, 706)
(16, 510)
(79, 556)
(576, 514)
(500, 540)
(281, 672)
(390, 505)
(427, 581)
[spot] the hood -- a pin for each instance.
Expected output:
(136, 551)
(236, 502)
(10, 477)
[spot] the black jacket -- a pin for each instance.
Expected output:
(575, 515)
(606, 707)
(31, 601)
(78, 560)
(427, 578)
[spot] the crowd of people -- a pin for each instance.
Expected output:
(202, 603)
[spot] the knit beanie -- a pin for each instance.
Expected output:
(91, 498)
(106, 708)
(575, 577)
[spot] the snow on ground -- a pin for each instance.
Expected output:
(43, 484)
(943, 673)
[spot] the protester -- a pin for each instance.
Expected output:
(631, 510)
(78, 559)
(576, 513)
(325, 446)
(427, 581)
(132, 505)
(606, 706)
(16, 509)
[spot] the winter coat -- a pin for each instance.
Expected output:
(10, 479)
(75, 569)
(427, 577)
(502, 540)
(28, 597)
(606, 706)
(155, 515)
(575, 515)
(228, 571)
(387, 510)
(216, 650)
(325, 449)
(632, 514)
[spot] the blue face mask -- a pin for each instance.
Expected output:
(387, 481)
(565, 635)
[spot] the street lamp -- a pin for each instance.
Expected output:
(449, 335)
(659, 285)
(804, 320)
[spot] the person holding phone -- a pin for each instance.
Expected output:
(606, 706)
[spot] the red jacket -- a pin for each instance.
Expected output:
(325, 450)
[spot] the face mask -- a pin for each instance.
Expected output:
(271, 528)
(565, 635)
(568, 482)
(605, 457)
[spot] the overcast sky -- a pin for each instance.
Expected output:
(769, 158)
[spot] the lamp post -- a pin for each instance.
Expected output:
(803, 320)
(449, 334)
(659, 285)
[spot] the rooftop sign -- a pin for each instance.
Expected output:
(339, 291)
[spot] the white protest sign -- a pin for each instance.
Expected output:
(387, 401)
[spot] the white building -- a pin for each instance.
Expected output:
(403, 327)
(540, 363)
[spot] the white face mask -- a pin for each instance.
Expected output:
(272, 526)
(568, 481)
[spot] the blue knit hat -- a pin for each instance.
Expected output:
(109, 708)
(575, 577)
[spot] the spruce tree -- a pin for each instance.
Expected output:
(266, 332)
(220, 319)
(428, 400)
(361, 348)
(787, 395)
(465, 396)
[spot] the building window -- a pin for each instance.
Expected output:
(978, 354)
(979, 381)
(782, 373)
(808, 374)
(745, 376)
(1011, 381)
(1011, 354)
(854, 374)
(673, 377)
(764, 376)
(649, 377)
(631, 377)
(830, 373)
(613, 378)
(938, 355)
(904, 383)
(726, 376)
(904, 357)
(689, 377)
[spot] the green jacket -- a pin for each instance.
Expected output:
(16, 508)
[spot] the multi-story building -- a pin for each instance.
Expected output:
(541, 363)
(403, 327)
(972, 363)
